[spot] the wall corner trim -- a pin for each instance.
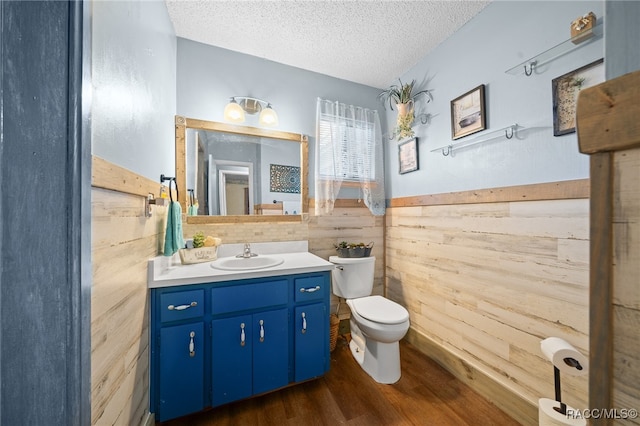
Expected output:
(107, 175)
(562, 190)
(607, 115)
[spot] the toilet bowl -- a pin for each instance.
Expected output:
(377, 324)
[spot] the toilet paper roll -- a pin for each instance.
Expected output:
(547, 416)
(564, 356)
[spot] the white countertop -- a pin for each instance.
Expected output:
(166, 271)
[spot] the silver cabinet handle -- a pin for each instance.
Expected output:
(304, 323)
(310, 289)
(192, 346)
(261, 330)
(182, 307)
(242, 335)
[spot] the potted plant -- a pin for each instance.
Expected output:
(404, 98)
(346, 249)
(356, 250)
(343, 249)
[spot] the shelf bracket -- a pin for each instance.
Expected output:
(508, 134)
(424, 118)
(532, 65)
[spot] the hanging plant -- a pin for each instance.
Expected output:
(404, 98)
(402, 94)
(403, 125)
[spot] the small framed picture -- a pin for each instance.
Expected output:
(468, 113)
(408, 155)
(565, 90)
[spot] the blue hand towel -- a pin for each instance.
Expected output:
(173, 239)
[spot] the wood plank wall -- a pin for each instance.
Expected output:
(486, 282)
(609, 131)
(350, 221)
(626, 289)
(122, 241)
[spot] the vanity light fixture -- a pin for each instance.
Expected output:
(233, 112)
(238, 106)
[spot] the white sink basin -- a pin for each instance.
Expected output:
(243, 264)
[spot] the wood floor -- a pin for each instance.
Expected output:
(425, 395)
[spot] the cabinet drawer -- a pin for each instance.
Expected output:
(310, 288)
(248, 296)
(181, 305)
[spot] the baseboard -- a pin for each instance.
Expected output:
(514, 405)
(150, 420)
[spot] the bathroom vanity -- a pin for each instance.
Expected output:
(219, 336)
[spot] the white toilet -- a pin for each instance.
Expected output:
(377, 324)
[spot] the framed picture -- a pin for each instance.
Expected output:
(565, 91)
(284, 179)
(408, 155)
(467, 113)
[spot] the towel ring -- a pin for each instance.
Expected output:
(164, 178)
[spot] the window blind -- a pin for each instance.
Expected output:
(346, 149)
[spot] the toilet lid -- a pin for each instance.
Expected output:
(379, 309)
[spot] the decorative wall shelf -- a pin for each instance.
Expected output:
(507, 132)
(556, 51)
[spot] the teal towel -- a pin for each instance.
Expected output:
(173, 239)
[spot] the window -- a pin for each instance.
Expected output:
(348, 153)
(345, 149)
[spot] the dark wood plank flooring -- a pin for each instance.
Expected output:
(426, 394)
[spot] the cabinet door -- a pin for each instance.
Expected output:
(311, 341)
(231, 357)
(270, 350)
(181, 370)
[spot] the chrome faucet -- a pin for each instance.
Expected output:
(246, 253)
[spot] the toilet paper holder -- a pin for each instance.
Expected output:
(564, 357)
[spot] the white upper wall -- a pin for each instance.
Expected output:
(208, 76)
(134, 86)
(503, 35)
(143, 76)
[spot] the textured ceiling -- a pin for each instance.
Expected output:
(368, 42)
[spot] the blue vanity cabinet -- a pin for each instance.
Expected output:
(257, 343)
(311, 327)
(182, 366)
(250, 355)
(231, 354)
(215, 343)
(178, 351)
(270, 350)
(310, 341)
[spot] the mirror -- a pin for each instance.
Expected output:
(240, 173)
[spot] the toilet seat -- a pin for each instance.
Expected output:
(379, 309)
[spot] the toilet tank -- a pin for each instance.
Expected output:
(352, 277)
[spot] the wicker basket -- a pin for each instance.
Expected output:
(333, 331)
(198, 255)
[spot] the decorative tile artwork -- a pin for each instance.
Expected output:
(285, 179)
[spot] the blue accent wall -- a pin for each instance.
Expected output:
(208, 76)
(501, 36)
(134, 86)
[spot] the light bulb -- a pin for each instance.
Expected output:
(268, 116)
(233, 112)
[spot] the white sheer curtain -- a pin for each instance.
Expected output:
(348, 150)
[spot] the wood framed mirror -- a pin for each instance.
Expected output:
(219, 163)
